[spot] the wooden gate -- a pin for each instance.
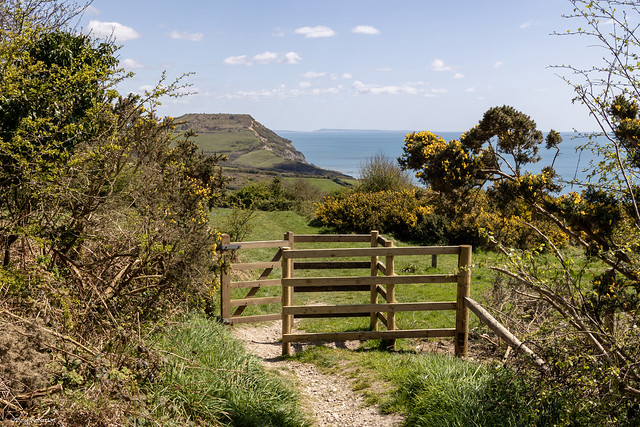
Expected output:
(374, 284)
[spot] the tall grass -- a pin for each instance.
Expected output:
(437, 390)
(209, 379)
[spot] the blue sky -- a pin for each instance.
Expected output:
(353, 64)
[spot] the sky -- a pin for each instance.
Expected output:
(352, 64)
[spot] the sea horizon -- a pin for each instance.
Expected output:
(344, 150)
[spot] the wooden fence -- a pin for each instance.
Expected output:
(227, 305)
(377, 286)
(290, 260)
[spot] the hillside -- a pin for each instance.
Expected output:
(253, 150)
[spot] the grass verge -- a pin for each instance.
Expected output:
(436, 390)
(209, 379)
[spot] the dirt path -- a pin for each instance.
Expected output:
(328, 398)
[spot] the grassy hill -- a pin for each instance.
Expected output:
(254, 151)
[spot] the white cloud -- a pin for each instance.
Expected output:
(290, 58)
(439, 91)
(183, 35)
(365, 29)
(316, 32)
(458, 76)
(282, 91)
(439, 65)
(237, 60)
(498, 64)
(92, 11)
(131, 64)
(264, 58)
(278, 32)
(470, 89)
(107, 29)
(347, 76)
(313, 74)
(384, 69)
(405, 89)
(525, 25)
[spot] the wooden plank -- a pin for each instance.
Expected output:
(337, 315)
(255, 301)
(369, 308)
(325, 265)
(373, 289)
(369, 252)
(500, 330)
(255, 265)
(257, 318)
(383, 241)
(287, 300)
(383, 319)
(382, 268)
(332, 238)
(391, 295)
(225, 287)
(261, 244)
(368, 335)
(352, 288)
(255, 283)
(382, 292)
(368, 280)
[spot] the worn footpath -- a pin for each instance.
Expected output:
(328, 398)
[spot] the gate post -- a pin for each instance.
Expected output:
(287, 300)
(391, 295)
(225, 283)
(373, 325)
(462, 311)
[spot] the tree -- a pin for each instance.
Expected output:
(381, 173)
(102, 195)
(587, 325)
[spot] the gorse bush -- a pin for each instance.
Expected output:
(386, 211)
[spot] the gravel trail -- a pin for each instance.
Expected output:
(328, 398)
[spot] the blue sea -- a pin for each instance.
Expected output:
(345, 150)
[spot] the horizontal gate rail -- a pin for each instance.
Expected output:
(369, 308)
(369, 335)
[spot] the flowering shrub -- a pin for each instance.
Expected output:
(386, 211)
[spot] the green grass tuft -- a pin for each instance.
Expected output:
(210, 379)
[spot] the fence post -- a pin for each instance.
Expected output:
(434, 261)
(225, 284)
(374, 288)
(462, 311)
(391, 295)
(290, 237)
(287, 300)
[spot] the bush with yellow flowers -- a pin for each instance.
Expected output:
(385, 211)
